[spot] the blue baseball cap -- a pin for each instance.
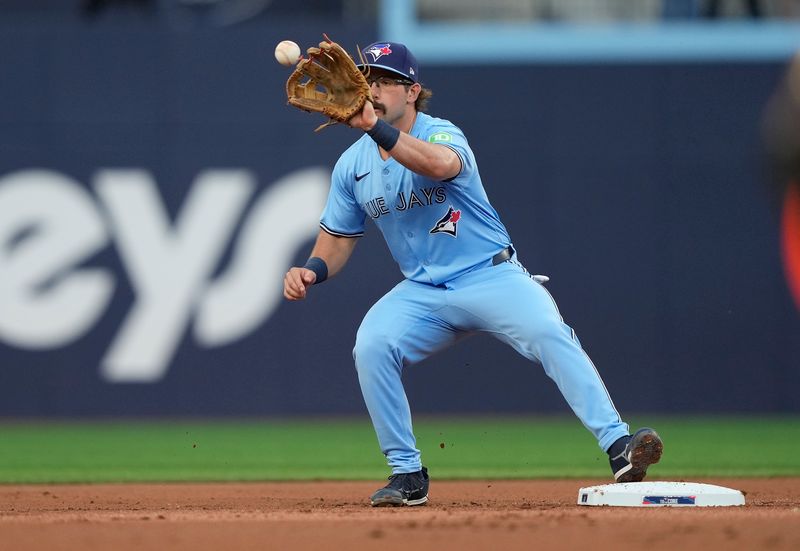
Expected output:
(391, 56)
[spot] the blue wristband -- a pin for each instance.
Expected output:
(384, 134)
(318, 266)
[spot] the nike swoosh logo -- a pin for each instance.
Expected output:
(362, 176)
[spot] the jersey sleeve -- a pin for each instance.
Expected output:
(449, 135)
(342, 216)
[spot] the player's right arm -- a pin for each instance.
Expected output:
(335, 251)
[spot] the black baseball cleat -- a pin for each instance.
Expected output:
(631, 455)
(403, 489)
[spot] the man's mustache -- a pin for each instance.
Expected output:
(380, 106)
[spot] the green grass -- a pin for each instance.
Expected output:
(533, 447)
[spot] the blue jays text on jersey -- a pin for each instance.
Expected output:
(377, 207)
(435, 231)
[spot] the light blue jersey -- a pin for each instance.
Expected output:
(435, 230)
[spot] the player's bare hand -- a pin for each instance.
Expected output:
(296, 282)
(366, 119)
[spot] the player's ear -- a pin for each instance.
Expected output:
(413, 92)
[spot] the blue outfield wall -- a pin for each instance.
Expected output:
(154, 187)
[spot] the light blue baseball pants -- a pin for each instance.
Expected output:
(414, 320)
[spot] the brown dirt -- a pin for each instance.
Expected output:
(503, 515)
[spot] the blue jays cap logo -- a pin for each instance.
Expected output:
(448, 223)
(391, 56)
(379, 50)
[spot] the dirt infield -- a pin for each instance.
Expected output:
(504, 515)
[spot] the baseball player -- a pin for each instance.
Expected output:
(415, 176)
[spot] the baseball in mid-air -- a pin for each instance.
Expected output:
(287, 53)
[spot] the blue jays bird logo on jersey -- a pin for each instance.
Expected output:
(379, 50)
(448, 223)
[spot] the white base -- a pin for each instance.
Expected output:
(660, 494)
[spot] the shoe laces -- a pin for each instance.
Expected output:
(406, 481)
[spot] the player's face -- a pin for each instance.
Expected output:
(392, 96)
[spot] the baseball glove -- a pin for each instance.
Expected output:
(328, 82)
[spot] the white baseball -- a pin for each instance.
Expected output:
(287, 53)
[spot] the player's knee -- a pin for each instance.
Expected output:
(374, 349)
(552, 332)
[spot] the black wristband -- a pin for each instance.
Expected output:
(384, 134)
(318, 266)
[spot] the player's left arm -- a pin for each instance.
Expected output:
(434, 161)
